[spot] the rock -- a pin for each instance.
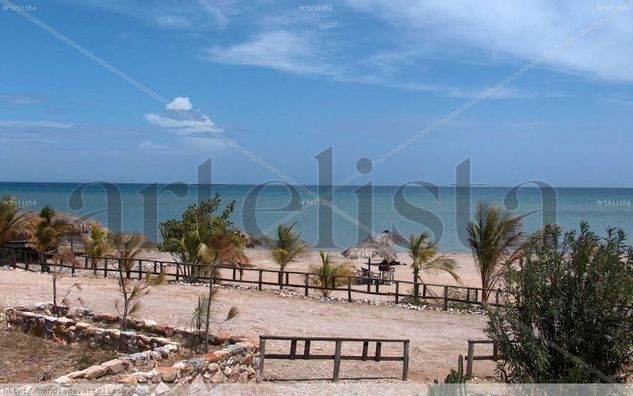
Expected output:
(235, 375)
(243, 378)
(222, 354)
(218, 378)
(235, 348)
(161, 388)
(214, 367)
(64, 379)
(76, 374)
(128, 380)
(113, 366)
(248, 360)
(168, 374)
(95, 371)
(211, 357)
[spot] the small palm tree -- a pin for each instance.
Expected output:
(495, 239)
(328, 274)
(186, 250)
(97, 244)
(423, 253)
(224, 247)
(48, 234)
(286, 247)
(12, 220)
(128, 247)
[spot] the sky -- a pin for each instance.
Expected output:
(141, 91)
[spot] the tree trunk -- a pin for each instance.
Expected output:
(208, 316)
(416, 286)
(55, 309)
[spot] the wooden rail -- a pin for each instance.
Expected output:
(471, 357)
(347, 285)
(337, 357)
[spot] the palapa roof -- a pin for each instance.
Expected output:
(369, 248)
(389, 238)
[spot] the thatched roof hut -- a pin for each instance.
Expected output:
(368, 249)
(390, 239)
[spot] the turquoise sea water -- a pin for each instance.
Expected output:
(355, 212)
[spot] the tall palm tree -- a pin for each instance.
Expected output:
(495, 239)
(48, 234)
(128, 247)
(423, 253)
(328, 274)
(286, 247)
(12, 220)
(97, 244)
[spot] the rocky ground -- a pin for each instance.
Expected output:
(437, 337)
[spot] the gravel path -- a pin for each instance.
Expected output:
(437, 338)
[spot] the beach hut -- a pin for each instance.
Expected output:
(368, 249)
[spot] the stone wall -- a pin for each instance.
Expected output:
(235, 362)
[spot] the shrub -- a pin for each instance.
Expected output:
(567, 316)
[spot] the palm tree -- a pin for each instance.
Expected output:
(48, 234)
(186, 250)
(12, 220)
(423, 253)
(328, 274)
(495, 238)
(97, 244)
(128, 247)
(224, 247)
(286, 248)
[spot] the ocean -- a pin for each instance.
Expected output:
(333, 221)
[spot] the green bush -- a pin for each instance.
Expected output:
(567, 317)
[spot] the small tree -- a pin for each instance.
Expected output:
(66, 259)
(423, 253)
(201, 319)
(567, 310)
(286, 247)
(97, 245)
(328, 274)
(13, 221)
(127, 247)
(495, 239)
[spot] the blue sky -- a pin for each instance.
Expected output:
(285, 82)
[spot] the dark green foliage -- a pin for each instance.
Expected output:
(457, 376)
(568, 314)
(454, 383)
(197, 217)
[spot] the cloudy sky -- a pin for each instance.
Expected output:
(137, 91)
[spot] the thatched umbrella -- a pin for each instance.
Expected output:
(389, 238)
(368, 249)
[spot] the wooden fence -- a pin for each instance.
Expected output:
(337, 357)
(471, 357)
(348, 286)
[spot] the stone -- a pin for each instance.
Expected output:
(95, 371)
(168, 374)
(218, 378)
(113, 366)
(211, 357)
(248, 360)
(243, 378)
(161, 388)
(222, 354)
(76, 374)
(128, 380)
(64, 379)
(214, 367)
(234, 377)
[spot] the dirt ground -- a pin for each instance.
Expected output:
(437, 338)
(29, 359)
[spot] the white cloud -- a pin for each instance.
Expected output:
(14, 99)
(179, 103)
(288, 51)
(36, 124)
(183, 123)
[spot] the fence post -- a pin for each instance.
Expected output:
(262, 355)
(349, 289)
(405, 361)
(445, 297)
(337, 360)
(155, 267)
(397, 291)
(140, 269)
(260, 280)
(306, 280)
(85, 262)
(280, 279)
(177, 272)
(15, 260)
(105, 268)
(496, 297)
(469, 360)
(468, 295)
